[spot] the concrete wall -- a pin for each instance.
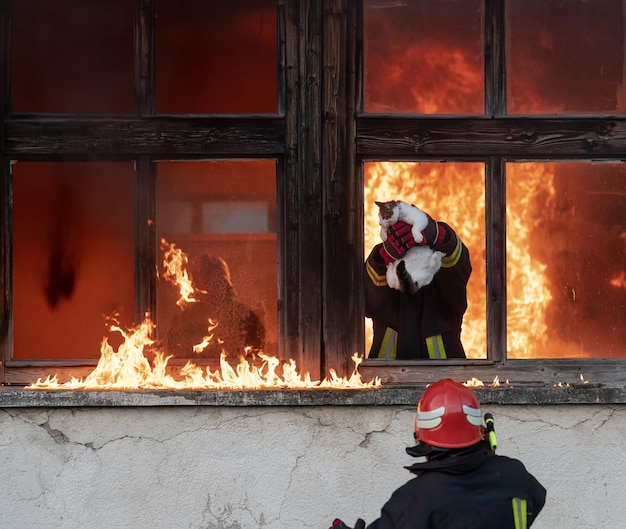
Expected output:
(283, 467)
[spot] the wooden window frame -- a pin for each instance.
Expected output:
(320, 139)
(494, 139)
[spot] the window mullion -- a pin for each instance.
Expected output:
(144, 58)
(495, 247)
(495, 59)
(146, 244)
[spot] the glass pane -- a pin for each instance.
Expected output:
(73, 256)
(222, 217)
(216, 57)
(423, 57)
(565, 56)
(566, 260)
(435, 188)
(73, 56)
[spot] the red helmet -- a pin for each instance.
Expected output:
(448, 416)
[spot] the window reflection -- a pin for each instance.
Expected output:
(222, 215)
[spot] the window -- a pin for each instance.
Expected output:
(267, 144)
(523, 188)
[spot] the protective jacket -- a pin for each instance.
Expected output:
(475, 490)
(426, 324)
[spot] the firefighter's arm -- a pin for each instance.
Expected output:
(455, 271)
(381, 301)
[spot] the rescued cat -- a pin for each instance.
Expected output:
(392, 211)
(417, 267)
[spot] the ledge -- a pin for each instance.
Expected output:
(11, 397)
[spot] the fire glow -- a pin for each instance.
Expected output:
(128, 367)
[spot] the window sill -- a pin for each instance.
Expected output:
(12, 397)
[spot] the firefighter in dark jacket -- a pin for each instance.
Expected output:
(462, 484)
(426, 324)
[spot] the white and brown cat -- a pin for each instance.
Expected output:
(418, 266)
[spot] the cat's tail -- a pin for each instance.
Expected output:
(404, 278)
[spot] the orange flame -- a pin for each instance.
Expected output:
(451, 192)
(454, 193)
(128, 368)
(175, 262)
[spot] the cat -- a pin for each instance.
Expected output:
(392, 211)
(415, 269)
(418, 266)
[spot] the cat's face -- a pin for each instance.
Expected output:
(387, 211)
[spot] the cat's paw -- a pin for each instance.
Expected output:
(418, 220)
(417, 233)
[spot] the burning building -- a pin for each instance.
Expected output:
(188, 194)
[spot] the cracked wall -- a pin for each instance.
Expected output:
(213, 467)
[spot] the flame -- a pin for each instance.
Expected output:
(619, 281)
(474, 383)
(198, 348)
(528, 289)
(454, 193)
(175, 262)
(128, 368)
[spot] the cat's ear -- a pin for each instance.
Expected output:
(379, 204)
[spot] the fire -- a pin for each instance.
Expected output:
(453, 193)
(175, 262)
(128, 367)
(528, 289)
(198, 348)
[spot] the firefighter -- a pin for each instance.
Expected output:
(426, 324)
(462, 483)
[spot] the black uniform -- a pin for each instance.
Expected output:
(475, 490)
(428, 323)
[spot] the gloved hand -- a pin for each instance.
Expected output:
(399, 240)
(338, 524)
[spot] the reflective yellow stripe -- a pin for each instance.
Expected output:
(388, 345)
(377, 279)
(450, 260)
(435, 347)
(519, 513)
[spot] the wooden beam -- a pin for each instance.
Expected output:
(472, 138)
(342, 203)
(47, 137)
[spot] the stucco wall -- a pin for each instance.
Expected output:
(278, 467)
